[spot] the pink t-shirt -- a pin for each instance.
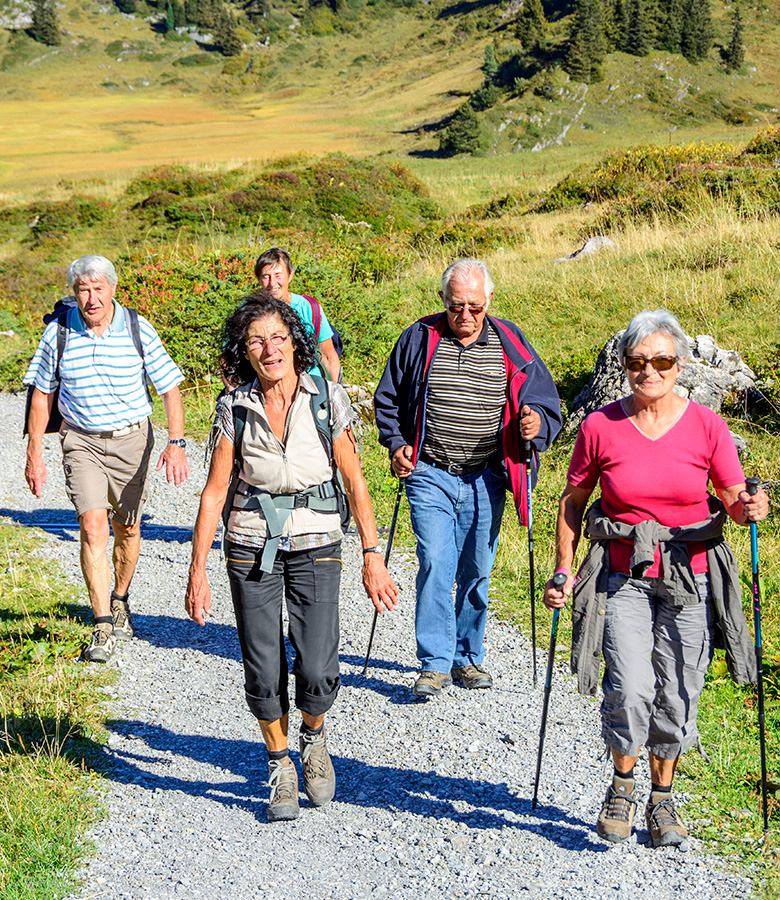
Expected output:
(664, 479)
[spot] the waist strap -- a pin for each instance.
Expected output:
(276, 509)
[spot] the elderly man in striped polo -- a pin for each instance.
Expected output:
(109, 353)
(461, 392)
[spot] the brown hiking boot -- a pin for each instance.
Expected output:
(319, 779)
(472, 677)
(283, 803)
(101, 647)
(123, 621)
(617, 811)
(663, 822)
(430, 684)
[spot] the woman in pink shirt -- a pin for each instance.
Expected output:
(654, 454)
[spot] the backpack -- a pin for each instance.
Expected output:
(60, 314)
(316, 315)
(329, 496)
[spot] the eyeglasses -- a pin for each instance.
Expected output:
(457, 308)
(659, 363)
(257, 343)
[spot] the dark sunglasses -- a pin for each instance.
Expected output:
(659, 363)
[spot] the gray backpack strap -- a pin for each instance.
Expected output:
(276, 509)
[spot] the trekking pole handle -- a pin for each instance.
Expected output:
(559, 579)
(752, 485)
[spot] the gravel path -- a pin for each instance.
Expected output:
(432, 798)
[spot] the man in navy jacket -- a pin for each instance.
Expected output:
(460, 394)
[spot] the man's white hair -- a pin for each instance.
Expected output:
(91, 268)
(462, 268)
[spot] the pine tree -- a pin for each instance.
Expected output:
(225, 34)
(532, 26)
(577, 60)
(490, 65)
(126, 6)
(735, 52)
(696, 34)
(587, 45)
(45, 24)
(671, 25)
(170, 18)
(462, 135)
(637, 37)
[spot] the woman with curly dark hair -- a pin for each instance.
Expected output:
(284, 433)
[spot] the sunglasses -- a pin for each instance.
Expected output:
(659, 363)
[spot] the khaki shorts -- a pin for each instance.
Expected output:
(108, 473)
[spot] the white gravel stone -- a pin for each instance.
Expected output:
(433, 798)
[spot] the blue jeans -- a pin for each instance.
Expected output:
(456, 519)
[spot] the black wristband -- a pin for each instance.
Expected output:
(376, 549)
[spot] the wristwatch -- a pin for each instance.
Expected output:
(180, 442)
(376, 549)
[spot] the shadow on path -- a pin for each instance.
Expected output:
(360, 784)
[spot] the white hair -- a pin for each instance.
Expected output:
(648, 323)
(460, 269)
(91, 268)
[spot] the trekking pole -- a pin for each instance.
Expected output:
(752, 488)
(559, 579)
(387, 559)
(528, 455)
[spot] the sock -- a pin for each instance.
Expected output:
(629, 775)
(660, 789)
(104, 620)
(311, 731)
(277, 754)
(122, 597)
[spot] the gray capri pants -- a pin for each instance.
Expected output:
(656, 654)
(309, 581)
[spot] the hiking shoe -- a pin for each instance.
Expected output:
(319, 779)
(430, 684)
(617, 811)
(101, 647)
(123, 621)
(472, 677)
(664, 824)
(283, 802)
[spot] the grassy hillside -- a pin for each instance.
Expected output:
(118, 94)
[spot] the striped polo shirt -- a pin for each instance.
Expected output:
(102, 383)
(465, 400)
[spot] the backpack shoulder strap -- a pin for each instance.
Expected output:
(62, 339)
(134, 327)
(320, 405)
(316, 315)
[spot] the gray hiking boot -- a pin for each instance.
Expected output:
(123, 621)
(663, 822)
(616, 818)
(472, 677)
(101, 647)
(430, 684)
(319, 779)
(283, 803)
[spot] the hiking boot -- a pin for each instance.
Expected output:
(472, 677)
(319, 779)
(283, 802)
(430, 684)
(123, 621)
(617, 811)
(664, 824)
(101, 647)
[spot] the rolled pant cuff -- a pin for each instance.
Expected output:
(316, 704)
(267, 709)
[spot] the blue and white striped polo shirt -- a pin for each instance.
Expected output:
(102, 384)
